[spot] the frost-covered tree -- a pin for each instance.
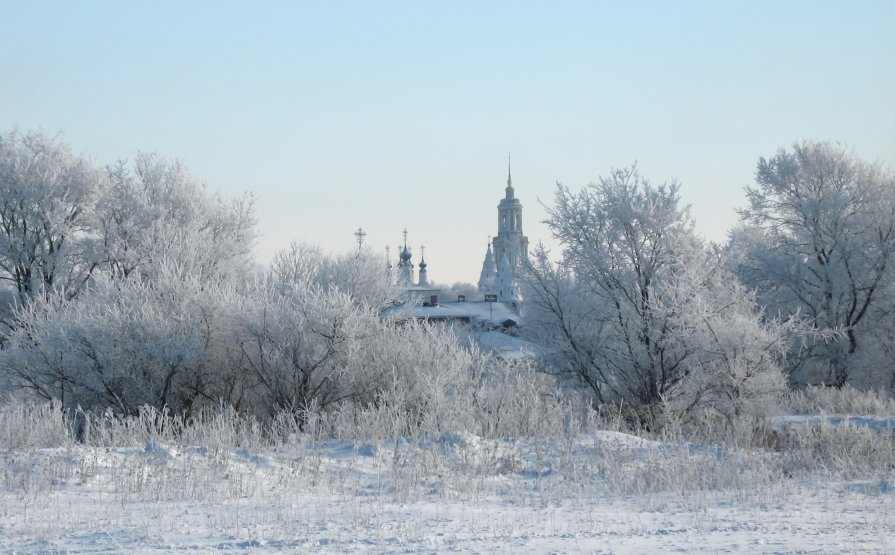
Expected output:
(359, 274)
(817, 243)
(299, 347)
(157, 213)
(631, 307)
(568, 321)
(622, 240)
(179, 340)
(62, 219)
(124, 343)
(47, 196)
(734, 366)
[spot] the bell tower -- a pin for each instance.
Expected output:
(510, 242)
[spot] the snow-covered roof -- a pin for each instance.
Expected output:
(420, 289)
(495, 313)
(500, 344)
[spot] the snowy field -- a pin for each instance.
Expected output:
(596, 492)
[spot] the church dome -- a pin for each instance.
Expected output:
(405, 254)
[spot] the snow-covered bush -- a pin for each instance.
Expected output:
(123, 343)
(182, 342)
(299, 348)
(437, 385)
(845, 400)
(29, 425)
(733, 378)
(843, 451)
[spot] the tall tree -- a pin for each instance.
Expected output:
(157, 211)
(817, 243)
(47, 196)
(637, 310)
(622, 237)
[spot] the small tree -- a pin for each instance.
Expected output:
(297, 347)
(734, 369)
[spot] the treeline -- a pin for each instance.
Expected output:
(132, 285)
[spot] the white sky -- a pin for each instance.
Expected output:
(401, 114)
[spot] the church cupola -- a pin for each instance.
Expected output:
(424, 274)
(405, 266)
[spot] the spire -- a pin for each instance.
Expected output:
(509, 178)
(509, 171)
(489, 272)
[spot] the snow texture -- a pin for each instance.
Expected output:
(407, 496)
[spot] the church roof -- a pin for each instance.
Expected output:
(496, 313)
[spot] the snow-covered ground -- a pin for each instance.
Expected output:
(598, 492)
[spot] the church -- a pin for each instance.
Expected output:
(506, 253)
(493, 317)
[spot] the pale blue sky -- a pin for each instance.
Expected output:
(393, 114)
